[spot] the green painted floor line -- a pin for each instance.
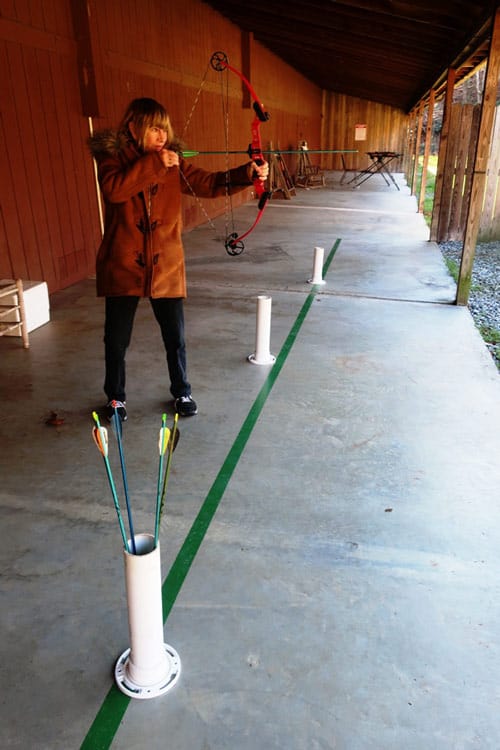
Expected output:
(108, 719)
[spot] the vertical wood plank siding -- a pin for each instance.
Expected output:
(46, 193)
(489, 228)
(49, 221)
(386, 130)
(451, 216)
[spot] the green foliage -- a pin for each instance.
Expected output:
(453, 268)
(430, 185)
(490, 335)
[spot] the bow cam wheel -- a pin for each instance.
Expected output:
(233, 247)
(219, 61)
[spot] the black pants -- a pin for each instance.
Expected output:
(120, 313)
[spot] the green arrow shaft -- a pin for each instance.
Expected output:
(189, 154)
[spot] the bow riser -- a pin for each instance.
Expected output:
(234, 244)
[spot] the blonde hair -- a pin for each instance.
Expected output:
(146, 113)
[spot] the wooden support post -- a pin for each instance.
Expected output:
(408, 151)
(418, 139)
(443, 147)
(409, 155)
(480, 163)
(246, 66)
(427, 150)
(83, 26)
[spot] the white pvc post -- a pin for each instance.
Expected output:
(262, 355)
(149, 667)
(317, 277)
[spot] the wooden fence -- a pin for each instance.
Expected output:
(489, 228)
(454, 205)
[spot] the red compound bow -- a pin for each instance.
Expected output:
(234, 242)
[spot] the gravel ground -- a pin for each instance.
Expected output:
(484, 299)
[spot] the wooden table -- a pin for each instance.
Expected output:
(380, 161)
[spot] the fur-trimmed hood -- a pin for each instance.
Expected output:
(106, 143)
(111, 142)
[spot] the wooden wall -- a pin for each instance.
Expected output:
(47, 197)
(72, 65)
(169, 60)
(457, 182)
(386, 129)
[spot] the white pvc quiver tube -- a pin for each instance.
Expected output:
(262, 355)
(149, 667)
(317, 277)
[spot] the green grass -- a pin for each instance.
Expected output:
(453, 268)
(490, 335)
(430, 185)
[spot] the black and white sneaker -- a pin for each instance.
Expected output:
(120, 409)
(185, 406)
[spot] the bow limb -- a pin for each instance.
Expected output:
(234, 243)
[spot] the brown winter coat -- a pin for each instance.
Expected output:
(141, 253)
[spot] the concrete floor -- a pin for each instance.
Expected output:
(330, 538)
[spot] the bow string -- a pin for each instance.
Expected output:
(234, 242)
